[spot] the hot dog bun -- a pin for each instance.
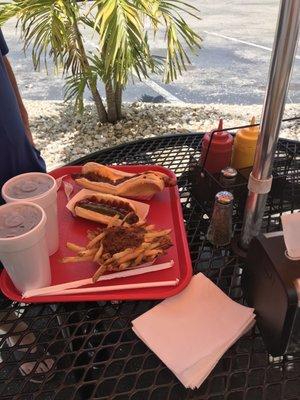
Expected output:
(108, 180)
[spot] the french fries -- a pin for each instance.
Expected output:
(77, 259)
(89, 252)
(74, 247)
(99, 272)
(121, 247)
(98, 253)
(94, 241)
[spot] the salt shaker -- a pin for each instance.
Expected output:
(220, 229)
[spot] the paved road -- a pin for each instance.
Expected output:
(231, 67)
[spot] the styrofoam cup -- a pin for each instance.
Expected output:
(24, 254)
(13, 191)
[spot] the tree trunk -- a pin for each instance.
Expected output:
(92, 83)
(118, 97)
(111, 102)
(102, 114)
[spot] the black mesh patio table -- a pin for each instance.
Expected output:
(96, 353)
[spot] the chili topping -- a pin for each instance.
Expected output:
(119, 238)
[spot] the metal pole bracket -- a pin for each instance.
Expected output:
(259, 186)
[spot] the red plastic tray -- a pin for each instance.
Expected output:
(165, 212)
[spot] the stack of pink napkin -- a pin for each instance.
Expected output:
(192, 330)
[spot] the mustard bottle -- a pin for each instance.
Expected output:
(244, 146)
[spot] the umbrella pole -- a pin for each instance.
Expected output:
(284, 49)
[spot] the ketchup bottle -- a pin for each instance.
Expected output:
(219, 152)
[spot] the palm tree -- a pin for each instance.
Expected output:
(52, 29)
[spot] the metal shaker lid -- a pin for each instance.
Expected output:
(229, 172)
(224, 197)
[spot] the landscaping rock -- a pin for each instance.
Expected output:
(63, 136)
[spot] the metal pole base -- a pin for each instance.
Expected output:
(253, 217)
(237, 248)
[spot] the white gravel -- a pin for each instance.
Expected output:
(63, 137)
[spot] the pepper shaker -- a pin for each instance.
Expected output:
(228, 176)
(220, 229)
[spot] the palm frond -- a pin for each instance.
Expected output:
(7, 11)
(123, 41)
(51, 29)
(179, 35)
(74, 87)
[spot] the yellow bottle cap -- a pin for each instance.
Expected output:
(250, 133)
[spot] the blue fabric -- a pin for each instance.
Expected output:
(17, 155)
(3, 45)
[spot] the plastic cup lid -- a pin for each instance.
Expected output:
(27, 186)
(17, 219)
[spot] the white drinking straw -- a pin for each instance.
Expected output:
(49, 290)
(101, 289)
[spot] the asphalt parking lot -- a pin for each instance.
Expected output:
(230, 68)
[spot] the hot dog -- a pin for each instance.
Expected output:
(106, 209)
(108, 180)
